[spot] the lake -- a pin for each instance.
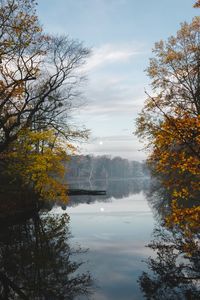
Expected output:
(115, 230)
(95, 247)
(91, 249)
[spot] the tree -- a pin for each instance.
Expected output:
(39, 85)
(38, 159)
(170, 119)
(175, 74)
(38, 74)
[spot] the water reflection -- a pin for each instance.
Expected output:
(37, 261)
(115, 230)
(175, 270)
(117, 189)
(159, 199)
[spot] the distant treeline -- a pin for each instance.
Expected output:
(104, 167)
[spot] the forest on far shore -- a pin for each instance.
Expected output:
(86, 167)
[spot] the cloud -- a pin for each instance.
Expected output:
(114, 86)
(108, 92)
(109, 54)
(114, 96)
(113, 138)
(112, 107)
(126, 146)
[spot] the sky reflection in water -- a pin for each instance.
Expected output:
(116, 232)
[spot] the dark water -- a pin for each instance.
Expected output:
(95, 249)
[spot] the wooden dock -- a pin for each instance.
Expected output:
(73, 192)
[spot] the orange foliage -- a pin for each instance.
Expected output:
(170, 121)
(175, 156)
(187, 219)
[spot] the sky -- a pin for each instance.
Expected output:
(121, 35)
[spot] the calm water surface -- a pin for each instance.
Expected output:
(91, 249)
(115, 231)
(94, 248)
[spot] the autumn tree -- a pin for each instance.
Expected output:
(39, 75)
(170, 119)
(37, 159)
(40, 79)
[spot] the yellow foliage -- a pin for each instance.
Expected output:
(37, 157)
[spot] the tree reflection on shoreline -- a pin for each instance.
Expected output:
(175, 270)
(117, 189)
(37, 262)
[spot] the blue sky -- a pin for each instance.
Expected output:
(121, 34)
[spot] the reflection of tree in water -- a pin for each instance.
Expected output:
(175, 271)
(36, 261)
(114, 188)
(159, 199)
(124, 188)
